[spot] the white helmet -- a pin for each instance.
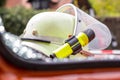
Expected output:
(47, 31)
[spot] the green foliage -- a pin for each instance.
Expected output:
(106, 8)
(15, 19)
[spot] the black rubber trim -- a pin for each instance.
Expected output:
(74, 43)
(69, 39)
(77, 48)
(90, 33)
(52, 56)
(20, 62)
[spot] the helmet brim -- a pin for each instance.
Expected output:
(44, 47)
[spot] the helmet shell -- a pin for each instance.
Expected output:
(50, 25)
(55, 27)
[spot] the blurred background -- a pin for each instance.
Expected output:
(16, 13)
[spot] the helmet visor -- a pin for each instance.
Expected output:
(83, 21)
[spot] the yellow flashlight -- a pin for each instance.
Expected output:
(74, 44)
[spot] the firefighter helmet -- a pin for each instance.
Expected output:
(48, 30)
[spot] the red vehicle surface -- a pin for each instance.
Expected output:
(10, 72)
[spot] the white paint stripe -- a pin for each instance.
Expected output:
(105, 51)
